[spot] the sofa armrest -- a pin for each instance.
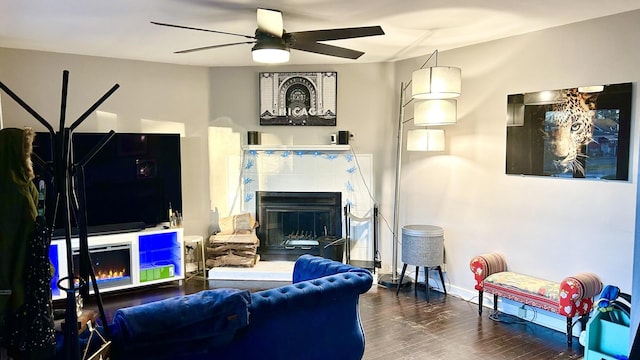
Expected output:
(485, 265)
(308, 267)
(184, 323)
(577, 292)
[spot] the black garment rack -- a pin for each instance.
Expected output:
(71, 202)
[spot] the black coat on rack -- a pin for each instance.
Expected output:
(26, 315)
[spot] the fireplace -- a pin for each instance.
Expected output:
(295, 223)
(111, 264)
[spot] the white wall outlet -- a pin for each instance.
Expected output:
(522, 312)
(443, 267)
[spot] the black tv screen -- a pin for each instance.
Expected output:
(129, 183)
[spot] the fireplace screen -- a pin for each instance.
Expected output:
(291, 223)
(297, 227)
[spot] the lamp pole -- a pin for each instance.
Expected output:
(392, 280)
(448, 80)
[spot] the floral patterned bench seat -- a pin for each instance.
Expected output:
(571, 297)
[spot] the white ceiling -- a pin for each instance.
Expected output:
(121, 28)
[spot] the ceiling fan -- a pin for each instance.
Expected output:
(272, 42)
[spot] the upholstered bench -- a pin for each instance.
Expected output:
(571, 297)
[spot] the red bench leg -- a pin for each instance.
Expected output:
(495, 302)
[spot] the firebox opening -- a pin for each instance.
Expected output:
(297, 227)
(291, 223)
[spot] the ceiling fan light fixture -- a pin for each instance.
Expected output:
(270, 51)
(270, 56)
(272, 43)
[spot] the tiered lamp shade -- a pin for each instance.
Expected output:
(425, 140)
(435, 112)
(438, 82)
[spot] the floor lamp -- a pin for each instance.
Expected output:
(432, 89)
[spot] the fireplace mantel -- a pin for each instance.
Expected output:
(297, 147)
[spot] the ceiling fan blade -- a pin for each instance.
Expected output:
(325, 49)
(270, 22)
(212, 47)
(338, 34)
(199, 29)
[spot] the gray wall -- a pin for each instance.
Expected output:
(152, 98)
(545, 227)
(365, 108)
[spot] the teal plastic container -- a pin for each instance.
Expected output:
(607, 336)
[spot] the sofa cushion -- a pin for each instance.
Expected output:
(526, 284)
(209, 318)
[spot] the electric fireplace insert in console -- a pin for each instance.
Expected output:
(111, 264)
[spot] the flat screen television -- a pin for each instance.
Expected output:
(129, 184)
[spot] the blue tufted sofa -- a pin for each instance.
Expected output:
(316, 317)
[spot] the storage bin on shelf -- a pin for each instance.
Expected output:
(156, 271)
(607, 336)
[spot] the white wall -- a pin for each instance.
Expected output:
(547, 227)
(152, 98)
(365, 108)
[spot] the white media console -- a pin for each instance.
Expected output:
(124, 260)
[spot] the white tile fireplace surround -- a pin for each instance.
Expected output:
(309, 168)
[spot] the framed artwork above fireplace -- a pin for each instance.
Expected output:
(298, 98)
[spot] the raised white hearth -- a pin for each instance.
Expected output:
(263, 271)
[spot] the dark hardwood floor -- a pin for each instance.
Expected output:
(405, 327)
